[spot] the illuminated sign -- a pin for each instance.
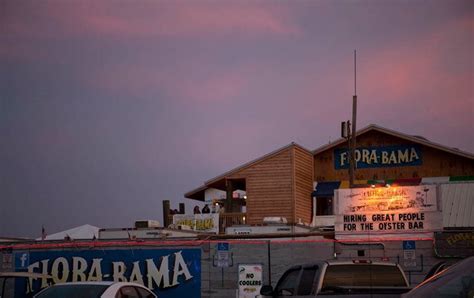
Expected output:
(376, 157)
(387, 210)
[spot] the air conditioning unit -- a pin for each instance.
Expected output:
(140, 224)
(275, 220)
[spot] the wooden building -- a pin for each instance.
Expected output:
(282, 183)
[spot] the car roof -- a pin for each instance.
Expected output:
(24, 274)
(101, 283)
(340, 262)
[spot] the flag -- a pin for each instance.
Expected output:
(43, 233)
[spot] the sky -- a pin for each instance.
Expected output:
(107, 108)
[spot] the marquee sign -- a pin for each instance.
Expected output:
(387, 210)
(167, 272)
(377, 157)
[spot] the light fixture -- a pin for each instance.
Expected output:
(373, 186)
(387, 185)
(245, 197)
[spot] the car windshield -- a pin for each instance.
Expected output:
(363, 276)
(73, 291)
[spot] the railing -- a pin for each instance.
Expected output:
(231, 219)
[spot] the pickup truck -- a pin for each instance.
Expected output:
(341, 278)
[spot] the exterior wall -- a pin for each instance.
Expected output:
(435, 162)
(269, 186)
(303, 185)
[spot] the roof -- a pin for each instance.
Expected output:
(244, 166)
(81, 232)
(411, 138)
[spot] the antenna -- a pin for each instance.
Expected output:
(355, 73)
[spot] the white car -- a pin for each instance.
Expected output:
(99, 289)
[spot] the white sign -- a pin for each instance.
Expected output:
(223, 258)
(250, 280)
(409, 258)
(387, 210)
(207, 222)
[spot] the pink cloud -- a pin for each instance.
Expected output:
(155, 19)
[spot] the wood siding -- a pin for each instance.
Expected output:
(269, 185)
(435, 162)
(303, 169)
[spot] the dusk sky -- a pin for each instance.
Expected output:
(109, 107)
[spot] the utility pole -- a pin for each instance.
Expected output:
(354, 131)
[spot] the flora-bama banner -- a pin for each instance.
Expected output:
(167, 272)
(387, 210)
(208, 222)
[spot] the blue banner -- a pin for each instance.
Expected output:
(379, 157)
(167, 272)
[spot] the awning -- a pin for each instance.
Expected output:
(326, 189)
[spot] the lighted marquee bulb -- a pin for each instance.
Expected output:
(387, 185)
(373, 186)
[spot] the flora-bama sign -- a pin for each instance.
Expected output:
(167, 272)
(387, 211)
(377, 157)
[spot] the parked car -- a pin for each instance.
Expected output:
(99, 289)
(340, 278)
(15, 276)
(455, 281)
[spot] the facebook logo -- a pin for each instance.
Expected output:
(22, 260)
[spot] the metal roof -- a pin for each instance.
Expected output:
(458, 205)
(411, 138)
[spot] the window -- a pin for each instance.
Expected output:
(307, 279)
(287, 284)
(363, 275)
(324, 206)
(127, 292)
(144, 293)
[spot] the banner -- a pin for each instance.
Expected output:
(207, 222)
(167, 272)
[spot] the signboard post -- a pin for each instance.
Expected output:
(250, 280)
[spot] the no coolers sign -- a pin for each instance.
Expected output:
(167, 272)
(386, 212)
(250, 280)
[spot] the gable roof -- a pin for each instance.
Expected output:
(242, 167)
(411, 138)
